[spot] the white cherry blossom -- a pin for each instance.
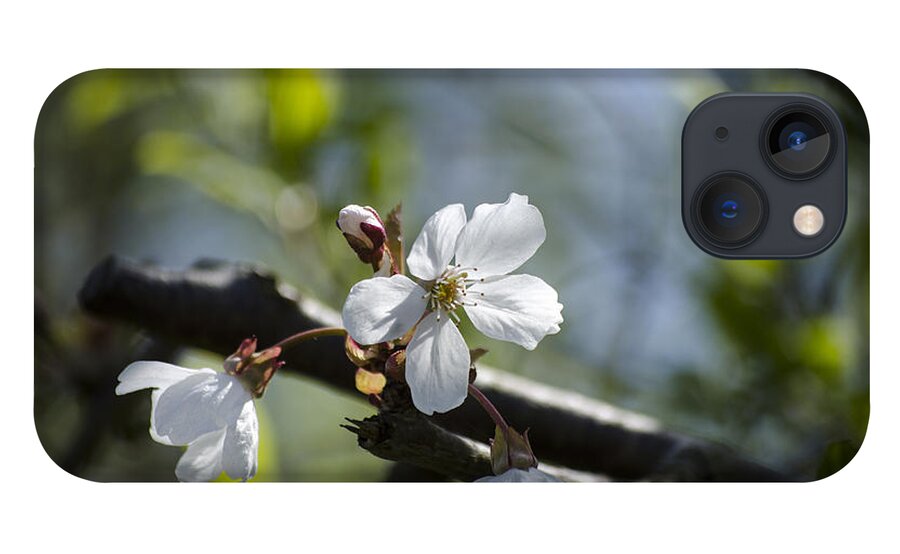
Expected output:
(458, 265)
(211, 413)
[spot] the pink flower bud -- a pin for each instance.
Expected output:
(364, 231)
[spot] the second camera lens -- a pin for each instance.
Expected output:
(797, 142)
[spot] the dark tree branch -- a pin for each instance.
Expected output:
(214, 306)
(409, 437)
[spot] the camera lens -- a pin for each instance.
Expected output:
(730, 209)
(798, 142)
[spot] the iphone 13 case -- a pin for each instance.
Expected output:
(431, 275)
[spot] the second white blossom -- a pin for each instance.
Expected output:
(209, 412)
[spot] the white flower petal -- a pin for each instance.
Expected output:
(383, 308)
(202, 461)
(533, 475)
(517, 308)
(431, 253)
(147, 375)
(241, 444)
(198, 405)
(437, 365)
(500, 237)
(154, 398)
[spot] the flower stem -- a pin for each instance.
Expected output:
(311, 334)
(489, 407)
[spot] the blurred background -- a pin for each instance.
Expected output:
(768, 357)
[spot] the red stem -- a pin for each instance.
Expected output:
(311, 334)
(488, 407)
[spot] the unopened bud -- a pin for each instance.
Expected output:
(364, 231)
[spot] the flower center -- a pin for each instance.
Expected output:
(447, 293)
(449, 290)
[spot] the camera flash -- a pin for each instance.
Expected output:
(809, 220)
